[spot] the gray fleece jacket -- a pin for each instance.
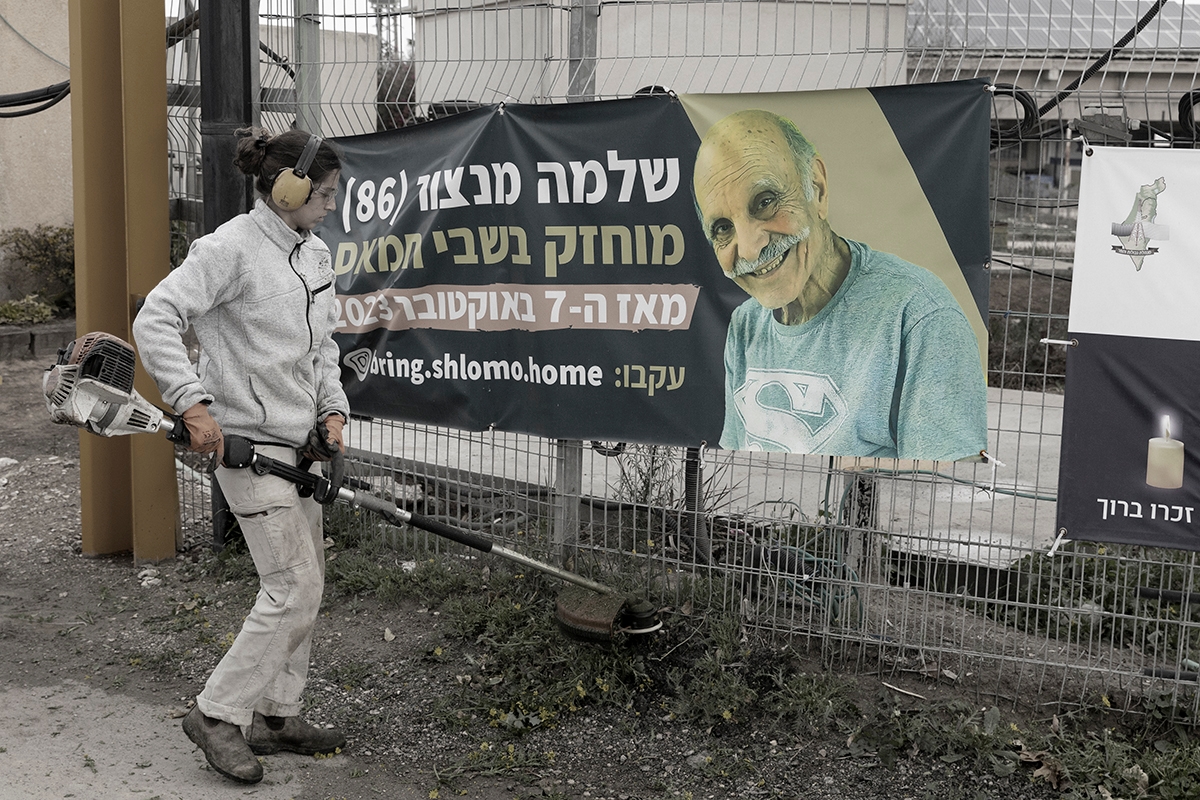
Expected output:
(261, 299)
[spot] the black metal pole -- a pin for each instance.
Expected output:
(227, 62)
(695, 524)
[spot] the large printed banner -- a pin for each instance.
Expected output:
(801, 272)
(1130, 470)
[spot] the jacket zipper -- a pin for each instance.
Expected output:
(308, 294)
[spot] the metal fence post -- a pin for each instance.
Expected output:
(581, 58)
(308, 65)
(568, 460)
(695, 523)
(568, 487)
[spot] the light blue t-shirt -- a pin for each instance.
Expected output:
(889, 368)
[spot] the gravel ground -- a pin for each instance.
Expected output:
(99, 658)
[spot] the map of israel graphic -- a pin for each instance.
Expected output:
(1140, 227)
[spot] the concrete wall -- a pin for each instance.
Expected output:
(35, 150)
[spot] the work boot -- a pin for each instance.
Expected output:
(272, 734)
(224, 746)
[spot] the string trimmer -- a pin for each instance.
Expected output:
(91, 387)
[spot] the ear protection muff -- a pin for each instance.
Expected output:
(292, 186)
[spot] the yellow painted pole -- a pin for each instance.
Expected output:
(118, 125)
(147, 254)
(101, 304)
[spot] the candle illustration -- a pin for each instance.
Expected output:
(1164, 460)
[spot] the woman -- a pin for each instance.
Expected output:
(259, 293)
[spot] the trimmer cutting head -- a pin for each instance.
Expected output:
(588, 615)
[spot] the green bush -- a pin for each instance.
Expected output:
(49, 253)
(24, 312)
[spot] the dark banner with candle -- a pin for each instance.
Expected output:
(1130, 466)
(638, 270)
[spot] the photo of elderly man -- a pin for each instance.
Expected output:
(840, 349)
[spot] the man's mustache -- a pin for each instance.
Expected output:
(774, 249)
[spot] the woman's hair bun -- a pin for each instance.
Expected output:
(251, 149)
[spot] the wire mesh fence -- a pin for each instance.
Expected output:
(950, 571)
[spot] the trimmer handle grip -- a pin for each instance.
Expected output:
(239, 454)
(178, 432)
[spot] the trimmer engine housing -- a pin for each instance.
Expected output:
(91, 387)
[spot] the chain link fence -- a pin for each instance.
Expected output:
(949, 571)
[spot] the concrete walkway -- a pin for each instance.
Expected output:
(72, 740)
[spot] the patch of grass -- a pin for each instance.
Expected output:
(496, 758)
(520, 672)
(354, 572)
(430, 581)
(950, 732)
(805, 702)
(715, 687)
(369, 556)
(1084, 756)
(1087, 593)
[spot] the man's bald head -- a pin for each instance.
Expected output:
(755, 128)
